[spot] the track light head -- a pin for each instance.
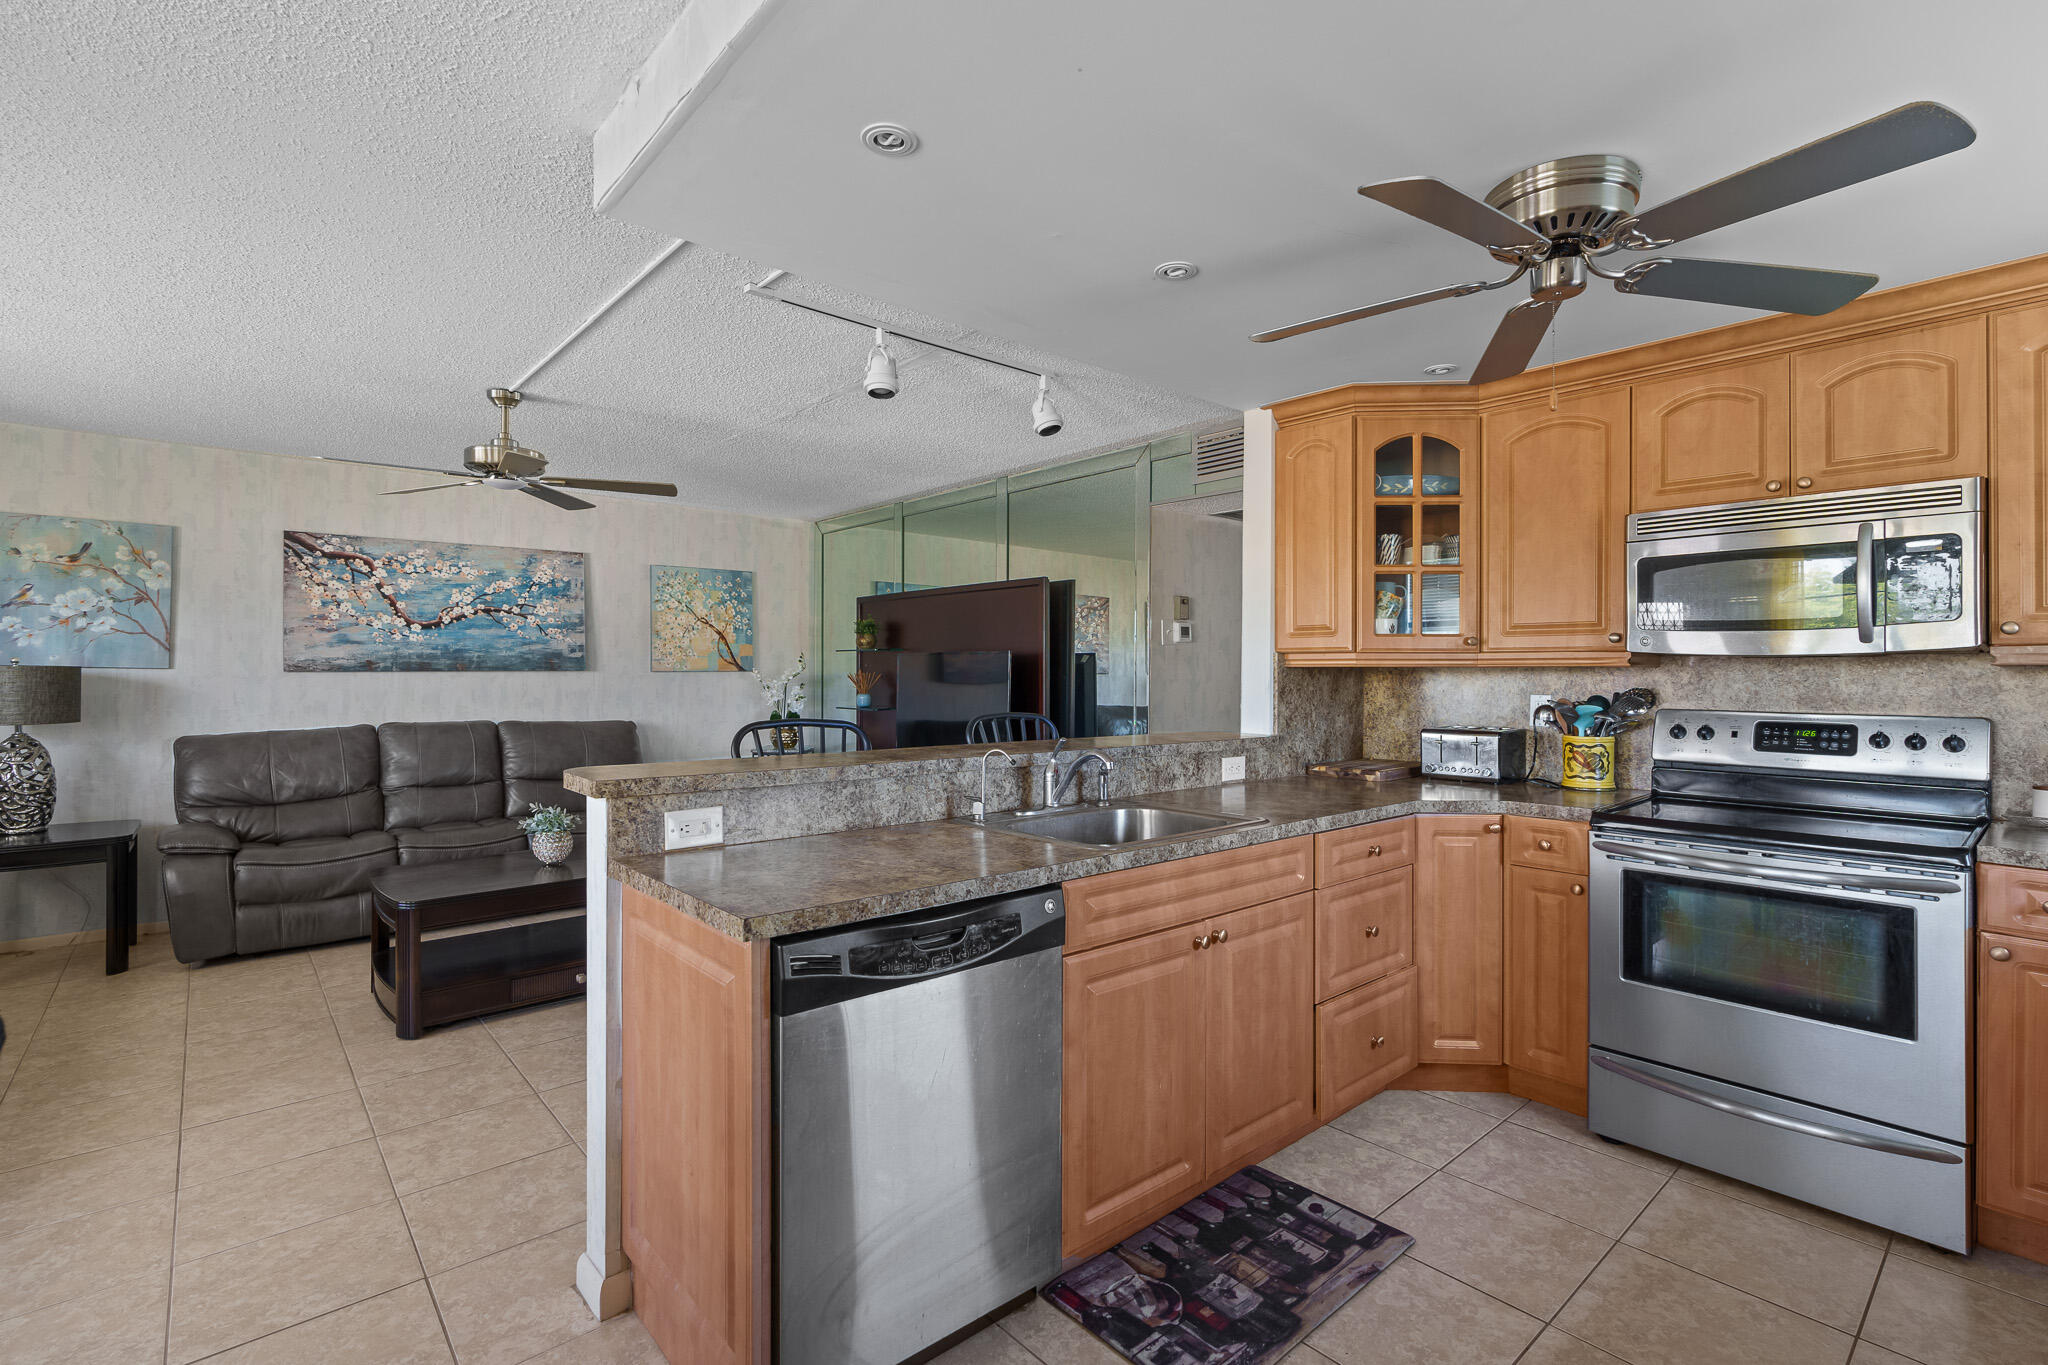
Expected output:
(881, 376)
(1045, 418)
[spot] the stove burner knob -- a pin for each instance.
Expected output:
(1678, 732)
(1705, 732)
(1880, 740)
(1916, 742)
(1955, 744)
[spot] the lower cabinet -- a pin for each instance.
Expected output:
(1365, 1040)
(1261, 1041)
(1458, 938)
(1545, 914)
(2012, 1079)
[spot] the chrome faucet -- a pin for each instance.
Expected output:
(981, 806)
(1058, 783)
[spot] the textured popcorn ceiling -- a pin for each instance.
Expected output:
(325, 229)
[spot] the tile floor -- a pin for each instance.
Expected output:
(241, 1163)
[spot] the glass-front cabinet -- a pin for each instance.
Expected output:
(1418, 585)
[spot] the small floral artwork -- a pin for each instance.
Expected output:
(353, 604)
(703, 620)
(85, 593)
(1091, 629)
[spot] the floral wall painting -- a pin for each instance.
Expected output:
(1091, 629)
(703, 620)
(85, 593)
(354, 604)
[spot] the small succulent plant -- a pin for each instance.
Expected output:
(551, 820)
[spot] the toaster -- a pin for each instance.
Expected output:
(1485, 753)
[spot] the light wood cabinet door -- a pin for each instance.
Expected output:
(1364, 850)
(1558, 845)
(1545, 916)
(1365, 1040)
(1901, 407)
(1314, 537)
(1556, 523)
(2012, 1075)
(1134, 1090)
(1261, 1029)
(2012, 900)
(2019, 474)
(1716, 435)
(1364, 930)
(1142, 900)
(1418, 487)
(1458, 938)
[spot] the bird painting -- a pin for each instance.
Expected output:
(74, 556)
(27, 593)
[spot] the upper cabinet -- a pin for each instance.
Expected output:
(1714, 435)
(2019, 476)
(1417, 562)
(1898, 407)
(1313, 532)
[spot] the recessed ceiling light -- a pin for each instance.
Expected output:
(1176, 271)
(889, 139)
(1439, 370)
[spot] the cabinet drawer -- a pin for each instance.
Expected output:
(1140, 900)
(1555, 845)
(1362, 850)
(1365, 930)
(1364, 1041)
(2012, 900)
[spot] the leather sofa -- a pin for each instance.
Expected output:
(280, 832)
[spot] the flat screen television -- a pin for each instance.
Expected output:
(938, 692)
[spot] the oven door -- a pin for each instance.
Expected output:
(1834, 982)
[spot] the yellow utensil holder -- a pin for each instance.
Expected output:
(1589, 763)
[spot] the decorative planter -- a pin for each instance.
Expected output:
(789, 740)
(863, 699)
(864, 641)
(552, 846)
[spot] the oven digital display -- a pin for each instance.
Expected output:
(1803, 737)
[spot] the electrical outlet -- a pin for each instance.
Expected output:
(693, 828)
(1233, 769)
(1536, 699)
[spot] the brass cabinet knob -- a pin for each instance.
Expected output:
(1202, 942)
(1380, 1041)
(1613, 637)
(582, 979)
(2009, 627)
(1577, 889)
(1802, 483)
(1774, 486)
(1220, 935)
(1493, 829)
(1543, 844)
(1471, 642)
(2001, 954)
(1373, 851)
(1372, 931)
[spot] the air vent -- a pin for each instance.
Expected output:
(1219, 454)
(813, 964)
(1870, 504)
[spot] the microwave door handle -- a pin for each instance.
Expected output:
(1866, 583)
(1855, 881)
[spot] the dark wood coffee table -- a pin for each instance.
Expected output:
(108, 842)
(473, 936)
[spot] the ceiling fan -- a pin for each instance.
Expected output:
(1553, 221)
(503, 463)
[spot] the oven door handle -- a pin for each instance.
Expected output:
(1785, 1121)
(1855, 881)
(1866, 584)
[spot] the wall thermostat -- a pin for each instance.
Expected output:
(1179, 632)
(1183, 609)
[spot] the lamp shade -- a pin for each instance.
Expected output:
(38, 694)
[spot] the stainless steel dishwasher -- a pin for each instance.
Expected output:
(917, 1125)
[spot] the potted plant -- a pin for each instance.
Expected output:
(864, 632)
(784, 695)
(551, 832)
(863, 687)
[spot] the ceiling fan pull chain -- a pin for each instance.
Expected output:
(1553, 367)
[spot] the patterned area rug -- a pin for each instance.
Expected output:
(1238, 1275)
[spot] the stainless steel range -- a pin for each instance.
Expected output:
(1780, 958)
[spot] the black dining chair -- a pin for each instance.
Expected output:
(1010, 727)
(811, 736)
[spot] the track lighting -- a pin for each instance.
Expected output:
(881, 380)
(1045, 418)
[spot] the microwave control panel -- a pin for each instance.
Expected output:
(1955, 748)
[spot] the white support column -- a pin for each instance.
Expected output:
(1255, 677)
(603, 1275)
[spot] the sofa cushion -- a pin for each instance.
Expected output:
(459, 839)
(537, 752)
(312, 869)
(196, 839)
(279, 785)
(440, 772)
(265, 927)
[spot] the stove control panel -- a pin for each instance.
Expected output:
(1802, 737)
(1957, 748)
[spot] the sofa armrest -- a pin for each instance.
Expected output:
(197, 838)
(199, 900)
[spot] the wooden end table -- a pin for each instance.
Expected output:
(110, 842)
(473, 936)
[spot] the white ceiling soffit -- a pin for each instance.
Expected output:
(326, 230)
(1071, 146)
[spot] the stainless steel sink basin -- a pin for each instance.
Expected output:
(1117, 825)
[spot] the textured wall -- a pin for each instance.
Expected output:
(1194, 686)
(229, 508)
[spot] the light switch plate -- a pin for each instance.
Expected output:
(1233, 769)
(693, 828)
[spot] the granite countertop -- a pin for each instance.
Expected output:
(2015, 843)
(818, 881)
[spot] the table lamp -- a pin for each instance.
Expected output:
(32, 694)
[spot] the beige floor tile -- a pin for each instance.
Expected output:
(264, 1086)
(1418, 1125)
(989, 1346)
(463, 1144)
(538, 1024)
(1943, 1319)
(1561, 1348)
(1572, 1128)
(1651, 1312)
(89, 988)
(566, 1102)
(60, 1262)
(1494, 1102)
(302, 1043)
(503, 1308)
(1869, 1353)
(1412, 1313)
(445, 1090)
(359, 1015)
(87, 1054)
(1055, 1338)
(53, 1077)
(342, 964)
(213, 1018)
(485, 1213)
(1591, 1189)
(23, 968)
(1348, 1169)
(161, 1013)
(120, 1324)
(269, 1285)
(250, 1205)
(1999, 1269)
(21, 1006)
(617, 1341)
(384, 1056)
(31, 1134)
(1793, 1264)
(70, 1186)
(398, 1328)
(1791, 1208)
(244, 978)
(551, 1065)
(269, 1136)
(1521, 1256)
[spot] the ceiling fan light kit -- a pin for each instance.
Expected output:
(1554, 221)
(503, 465)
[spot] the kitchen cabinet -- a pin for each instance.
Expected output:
(1458, 938)
(1416, 552)
(1261, 1021)
(1314, 532)
(1545, 929)
(1137, 900)
(1897, 407)
(1365, 1040)
(1362, 850)
(2012, 1075)
(1720, 434)
(2019, 478)
(1556, 526)
(1365, 930)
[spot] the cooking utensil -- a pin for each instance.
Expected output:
(1586, 712)
(1599, 701)
(1546, 718)
(1633, 703)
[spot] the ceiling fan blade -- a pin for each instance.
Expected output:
(1745, 284)
(1906, 136)
(658, 490)
(429, 488)
(1431, 200)
(1514, 341)
(1449, 291)
(562, 500)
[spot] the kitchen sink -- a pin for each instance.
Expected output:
(1116, 825)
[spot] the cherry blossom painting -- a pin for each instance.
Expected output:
(85, 593)
(354, 604)
(703, 620)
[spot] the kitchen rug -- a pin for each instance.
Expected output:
(1238, 1275)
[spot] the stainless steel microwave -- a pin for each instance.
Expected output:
(1870, 571)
